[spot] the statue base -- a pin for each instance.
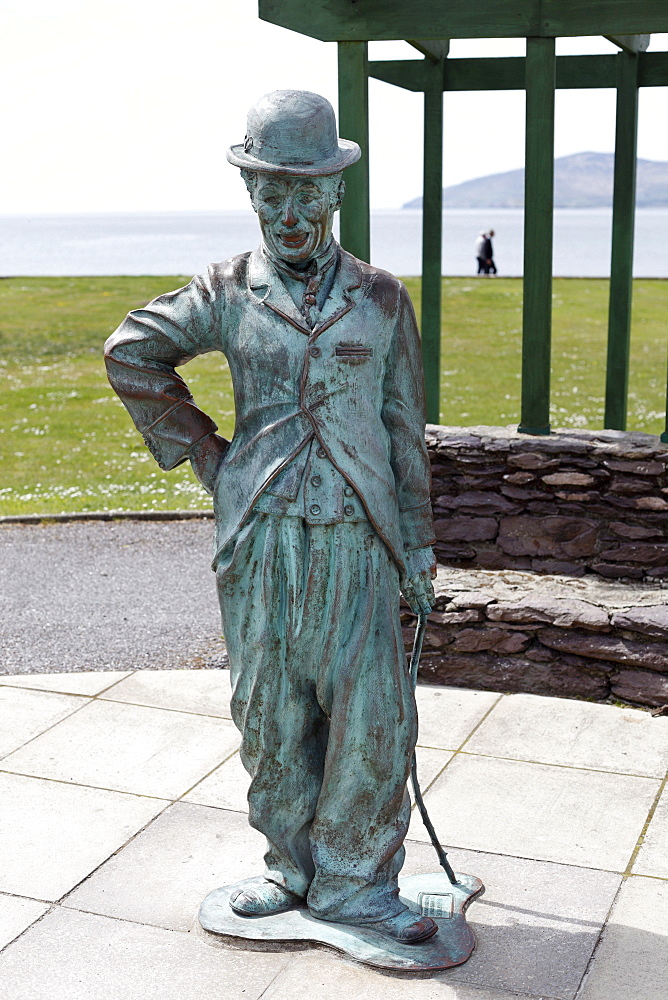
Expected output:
(431, 895)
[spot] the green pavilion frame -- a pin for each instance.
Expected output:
(428, 25)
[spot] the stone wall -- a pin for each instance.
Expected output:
(553, 553)
(506, 630)
(570, 503)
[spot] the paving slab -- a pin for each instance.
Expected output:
(449, 715)
(205, 692)
(561, 814)
(652, 857)
(430, 763)
(549, 833)
(323, 976)
(130, 748)
(16, 914)
(87, 682)
(536, 925)
(574, 733)
(631, 962)
(163, 875)
(53, 834)
(226, 787)
(82, 956)
(25, 714)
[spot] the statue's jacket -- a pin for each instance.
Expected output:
(354, 382)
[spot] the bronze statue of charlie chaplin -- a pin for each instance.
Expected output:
(322, 513)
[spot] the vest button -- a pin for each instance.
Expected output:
(316, 480)
(314, 352)
(315, 509)
(309, 300)
(321, 453)
(348, 510)
(348, 491)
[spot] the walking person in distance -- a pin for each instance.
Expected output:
(488, 254)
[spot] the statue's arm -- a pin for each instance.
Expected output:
(404, 418)
(141, 358)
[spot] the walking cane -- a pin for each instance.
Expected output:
(414, 663)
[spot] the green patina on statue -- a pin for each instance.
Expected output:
(322, 515)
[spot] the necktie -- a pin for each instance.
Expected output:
(311, 276)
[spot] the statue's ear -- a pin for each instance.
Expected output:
(341, 190)
(250, 180)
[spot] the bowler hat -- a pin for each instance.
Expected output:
(293, 132)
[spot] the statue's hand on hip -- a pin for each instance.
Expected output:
(416, 585)
(206, 457)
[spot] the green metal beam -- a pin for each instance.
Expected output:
(410, 74)
(586, 72)
(621, 267)
(507, 73)
(432, 221)
(383, 20)
(572, 73)
(653, 69)
(485, 74)
(602, 17)
(538, 224)
(354, 124)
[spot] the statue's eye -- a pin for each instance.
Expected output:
(271, 200)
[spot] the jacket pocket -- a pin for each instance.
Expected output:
(353, 352)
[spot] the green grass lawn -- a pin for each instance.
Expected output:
(67, 444)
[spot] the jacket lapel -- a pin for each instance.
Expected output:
(262, 276)
(341, 299)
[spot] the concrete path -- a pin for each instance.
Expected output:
(123, 805)
(106, 595)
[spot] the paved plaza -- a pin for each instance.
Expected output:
(124, 805)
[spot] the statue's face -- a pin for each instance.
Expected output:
(296, 213)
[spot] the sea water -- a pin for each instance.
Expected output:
(185, 242)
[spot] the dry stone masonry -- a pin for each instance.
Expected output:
(574, 502)
(508, 630)
(554, 564)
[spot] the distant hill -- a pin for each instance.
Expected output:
(583, 180)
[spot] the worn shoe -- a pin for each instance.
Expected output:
(406, 928)
(263, 900)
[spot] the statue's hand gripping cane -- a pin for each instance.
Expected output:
(416, 585)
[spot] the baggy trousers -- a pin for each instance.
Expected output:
(322, 697)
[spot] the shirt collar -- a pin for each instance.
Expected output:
(316, 266)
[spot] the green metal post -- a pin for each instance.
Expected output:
(623, 218)
(432, 216)
(538, 224)
(354, 124)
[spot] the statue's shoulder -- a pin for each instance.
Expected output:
(380, 283)
(231, 272)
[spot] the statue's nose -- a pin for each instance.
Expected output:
(289, 217)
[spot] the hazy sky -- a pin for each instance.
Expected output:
(130, 104)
